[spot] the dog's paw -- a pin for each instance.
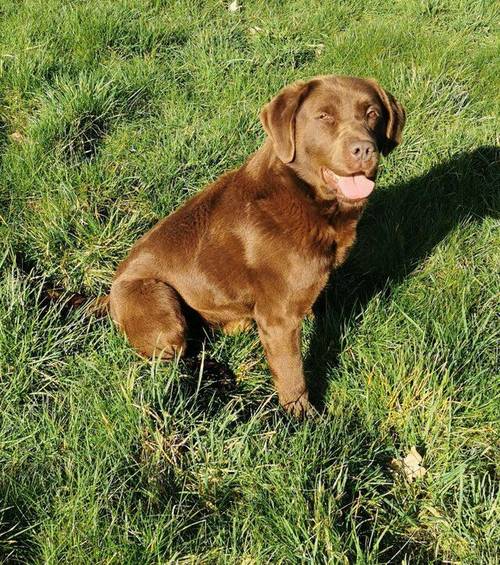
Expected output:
(300, 407)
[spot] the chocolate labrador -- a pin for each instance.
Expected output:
(259, 243)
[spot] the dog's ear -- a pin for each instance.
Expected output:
(395, 116)
(278, 119)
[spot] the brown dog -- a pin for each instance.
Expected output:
(260, 241)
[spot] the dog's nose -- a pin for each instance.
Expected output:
(362, 150)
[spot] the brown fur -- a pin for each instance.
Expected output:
(259, 243)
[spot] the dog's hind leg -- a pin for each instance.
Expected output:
(149, 312)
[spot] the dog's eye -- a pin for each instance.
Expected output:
(326, 117)
(372, 114)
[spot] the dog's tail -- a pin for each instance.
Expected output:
(98, 307)
(90, 307)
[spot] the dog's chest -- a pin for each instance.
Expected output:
(343, 241)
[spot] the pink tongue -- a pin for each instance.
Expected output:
(355, 186)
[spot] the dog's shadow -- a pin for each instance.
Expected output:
(399, 229)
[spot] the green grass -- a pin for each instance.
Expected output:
(120, 111)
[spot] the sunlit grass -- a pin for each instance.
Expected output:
(112, 113)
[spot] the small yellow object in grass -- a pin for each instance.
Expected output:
(410, 466)
(255, 30)
(234, 6)
(17, 137)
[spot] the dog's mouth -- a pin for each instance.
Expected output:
(352, 187)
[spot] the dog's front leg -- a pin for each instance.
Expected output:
(280, 336)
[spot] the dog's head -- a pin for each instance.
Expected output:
(331, 130)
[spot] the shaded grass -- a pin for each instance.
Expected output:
(125, 109)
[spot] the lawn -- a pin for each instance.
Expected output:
(112, 113)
